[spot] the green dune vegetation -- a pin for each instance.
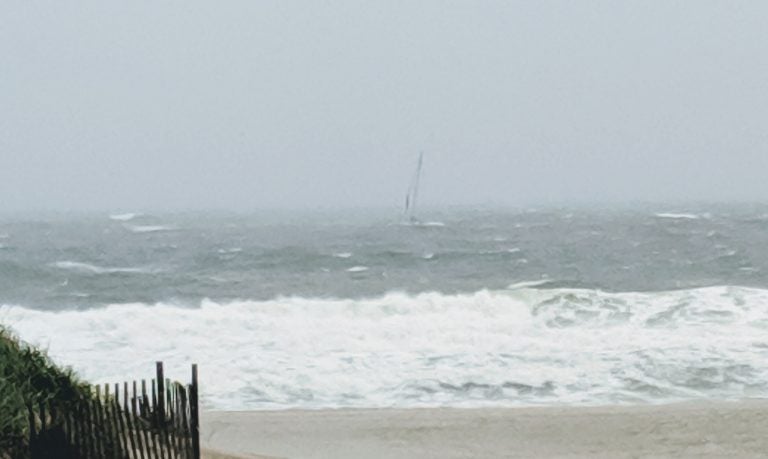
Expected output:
(29, 377)
(73, 418)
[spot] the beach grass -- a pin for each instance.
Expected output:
(29, 377)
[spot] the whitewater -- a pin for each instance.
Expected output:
(489, 348)
(521, 308)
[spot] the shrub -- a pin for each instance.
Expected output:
(29, 377)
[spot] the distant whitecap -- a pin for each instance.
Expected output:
(357, 269)
(149, 228)
(93, 269)
(678, 216)
(527, 284)
(123, 217)
(342, 254)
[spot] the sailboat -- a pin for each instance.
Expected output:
(411, 198)
(412, 194)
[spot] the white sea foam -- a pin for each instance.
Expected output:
(678, 216)
(124, 217)
(88, 268)
(230, 251)
(357, 269)
(342, 254)
(497, 348)
(499, 251)
(527, 284)
(149, 228)
(419, 224)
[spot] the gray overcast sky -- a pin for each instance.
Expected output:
(249, 104)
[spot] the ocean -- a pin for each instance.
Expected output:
(551, 306)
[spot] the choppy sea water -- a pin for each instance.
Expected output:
(478, 308)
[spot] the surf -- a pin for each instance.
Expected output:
(528, 345)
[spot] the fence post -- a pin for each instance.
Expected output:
(194, 414)
(160, 392)
(99, 426)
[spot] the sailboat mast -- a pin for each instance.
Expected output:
(413, 190)
(416, 183)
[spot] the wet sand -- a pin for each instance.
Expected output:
(692, 430)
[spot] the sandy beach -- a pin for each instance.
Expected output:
(722, 429)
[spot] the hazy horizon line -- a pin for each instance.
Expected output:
(666, 205)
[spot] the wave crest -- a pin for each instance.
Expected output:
(149, 228)
(510, 347)
(93, 269)
(124, 217)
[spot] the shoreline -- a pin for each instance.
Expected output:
(688, 429)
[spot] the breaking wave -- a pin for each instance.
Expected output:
(124, 217)
(680, 216)
(520, 346)
(93, 269)
(357, 269)
(149, 228)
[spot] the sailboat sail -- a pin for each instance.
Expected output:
(412, 194)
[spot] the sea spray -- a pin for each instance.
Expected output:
(524, 346)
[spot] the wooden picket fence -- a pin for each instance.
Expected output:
(129, 423)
